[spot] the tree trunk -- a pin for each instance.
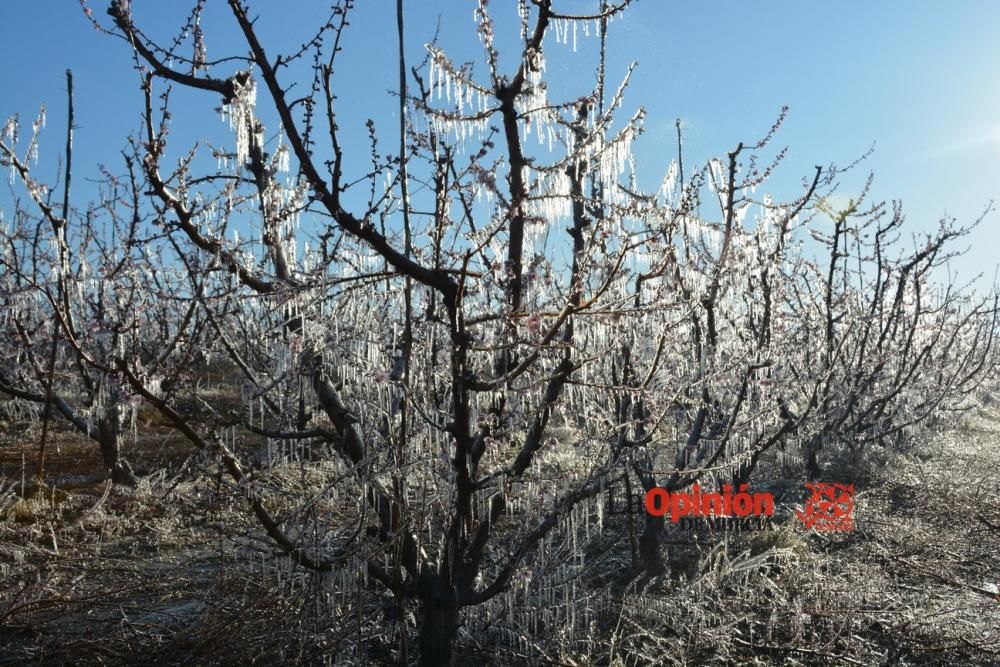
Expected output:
(649, 546)
(109, 436)
(437, 632)
(813, 470)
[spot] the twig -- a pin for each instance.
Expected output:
(792, 649)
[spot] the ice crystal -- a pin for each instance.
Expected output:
(241, 114)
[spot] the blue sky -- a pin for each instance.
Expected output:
(917, 79)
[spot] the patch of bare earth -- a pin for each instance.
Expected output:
(172, 572)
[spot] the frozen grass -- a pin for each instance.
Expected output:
(915, 583)
(175, 572)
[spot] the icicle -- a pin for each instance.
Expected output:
(432, 75)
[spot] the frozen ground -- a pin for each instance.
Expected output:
(174, 573)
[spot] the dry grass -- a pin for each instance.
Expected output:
(174, 572)
(914, 584)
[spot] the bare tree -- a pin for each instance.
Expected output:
(72, 299)
(460, 342)
(444, 439)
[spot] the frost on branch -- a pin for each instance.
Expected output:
(240, 110)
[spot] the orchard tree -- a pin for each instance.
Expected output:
(444, 354)
(434, 351)
(77, 292)
(890, 347)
